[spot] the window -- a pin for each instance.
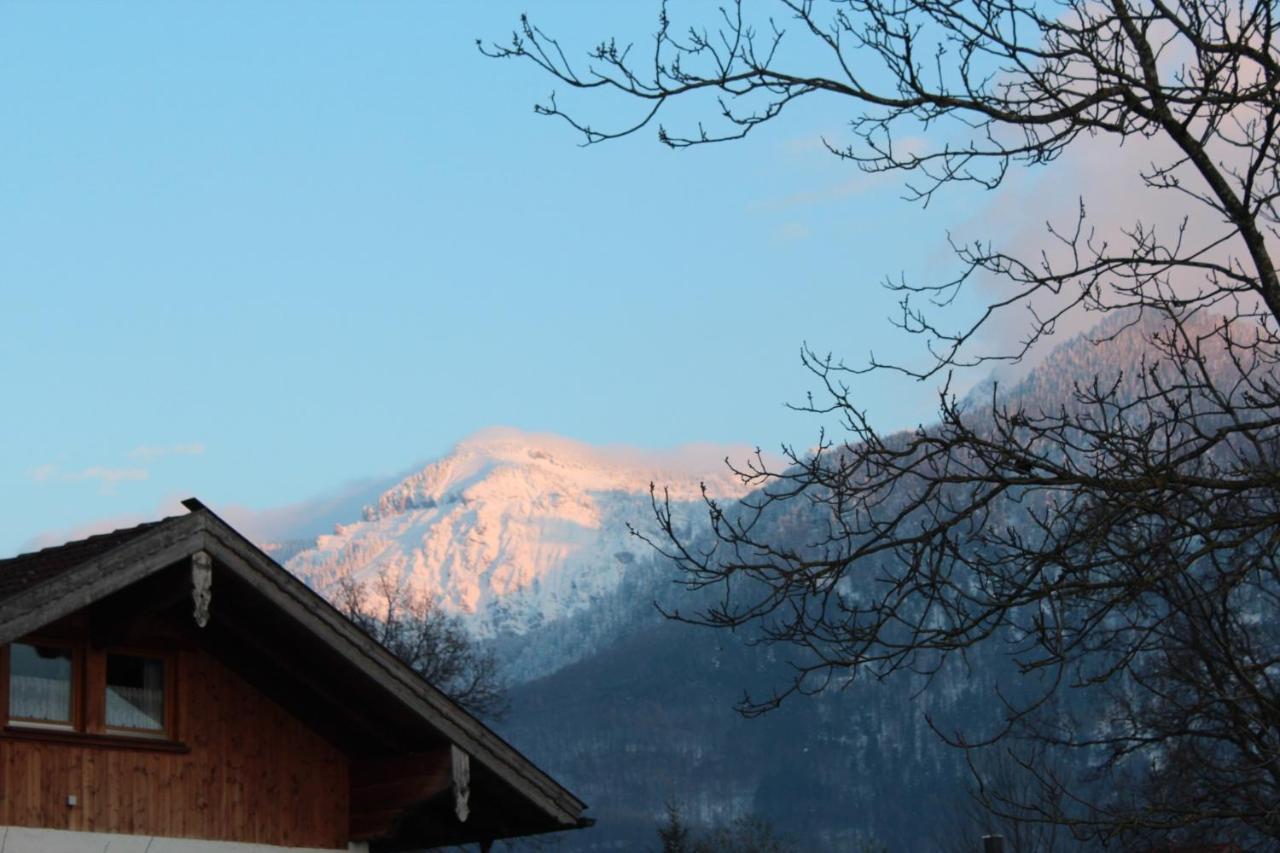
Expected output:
(40, 685)
(70, 688)
(135, 693)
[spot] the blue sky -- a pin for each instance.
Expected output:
(253, 251)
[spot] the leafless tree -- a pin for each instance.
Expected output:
(745, 834)
(980, 811)
(1118, 542)
(413, 627)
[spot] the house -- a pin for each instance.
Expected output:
(169, 687)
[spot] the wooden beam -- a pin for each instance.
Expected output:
(495, 815)
(382, 790)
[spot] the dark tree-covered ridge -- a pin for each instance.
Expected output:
(1120, 542)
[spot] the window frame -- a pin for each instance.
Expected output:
(76, 721)
(99, 692)
(89, 697)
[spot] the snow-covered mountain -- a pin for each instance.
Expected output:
(515, 530)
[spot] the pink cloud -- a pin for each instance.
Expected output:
(106, 477)
(83, 530)
(1016, 219)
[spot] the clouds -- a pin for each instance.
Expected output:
(50, 538)
(146, 452)
(108, 477)
(1100, 179)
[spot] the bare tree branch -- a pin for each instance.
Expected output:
(1115, 538)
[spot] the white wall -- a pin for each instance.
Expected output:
(20, 839)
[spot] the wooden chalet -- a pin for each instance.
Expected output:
(170, 687)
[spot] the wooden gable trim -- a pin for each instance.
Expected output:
(235, 552)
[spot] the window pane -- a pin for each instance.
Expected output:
(135, 693)
(39, 683)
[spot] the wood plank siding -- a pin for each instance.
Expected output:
(246, 770)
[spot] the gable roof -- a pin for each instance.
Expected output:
(41, 587)
(26, 570)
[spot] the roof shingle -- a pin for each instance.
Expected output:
(27, 570)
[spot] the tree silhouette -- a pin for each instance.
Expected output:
(1117, 542)
(435, 644)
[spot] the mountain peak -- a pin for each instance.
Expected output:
(514, 445)
(516, 528)
(507, 458)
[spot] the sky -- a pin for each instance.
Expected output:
(262, 252)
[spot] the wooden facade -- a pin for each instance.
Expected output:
(240, 768)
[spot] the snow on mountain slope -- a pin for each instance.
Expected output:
(515, 530)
